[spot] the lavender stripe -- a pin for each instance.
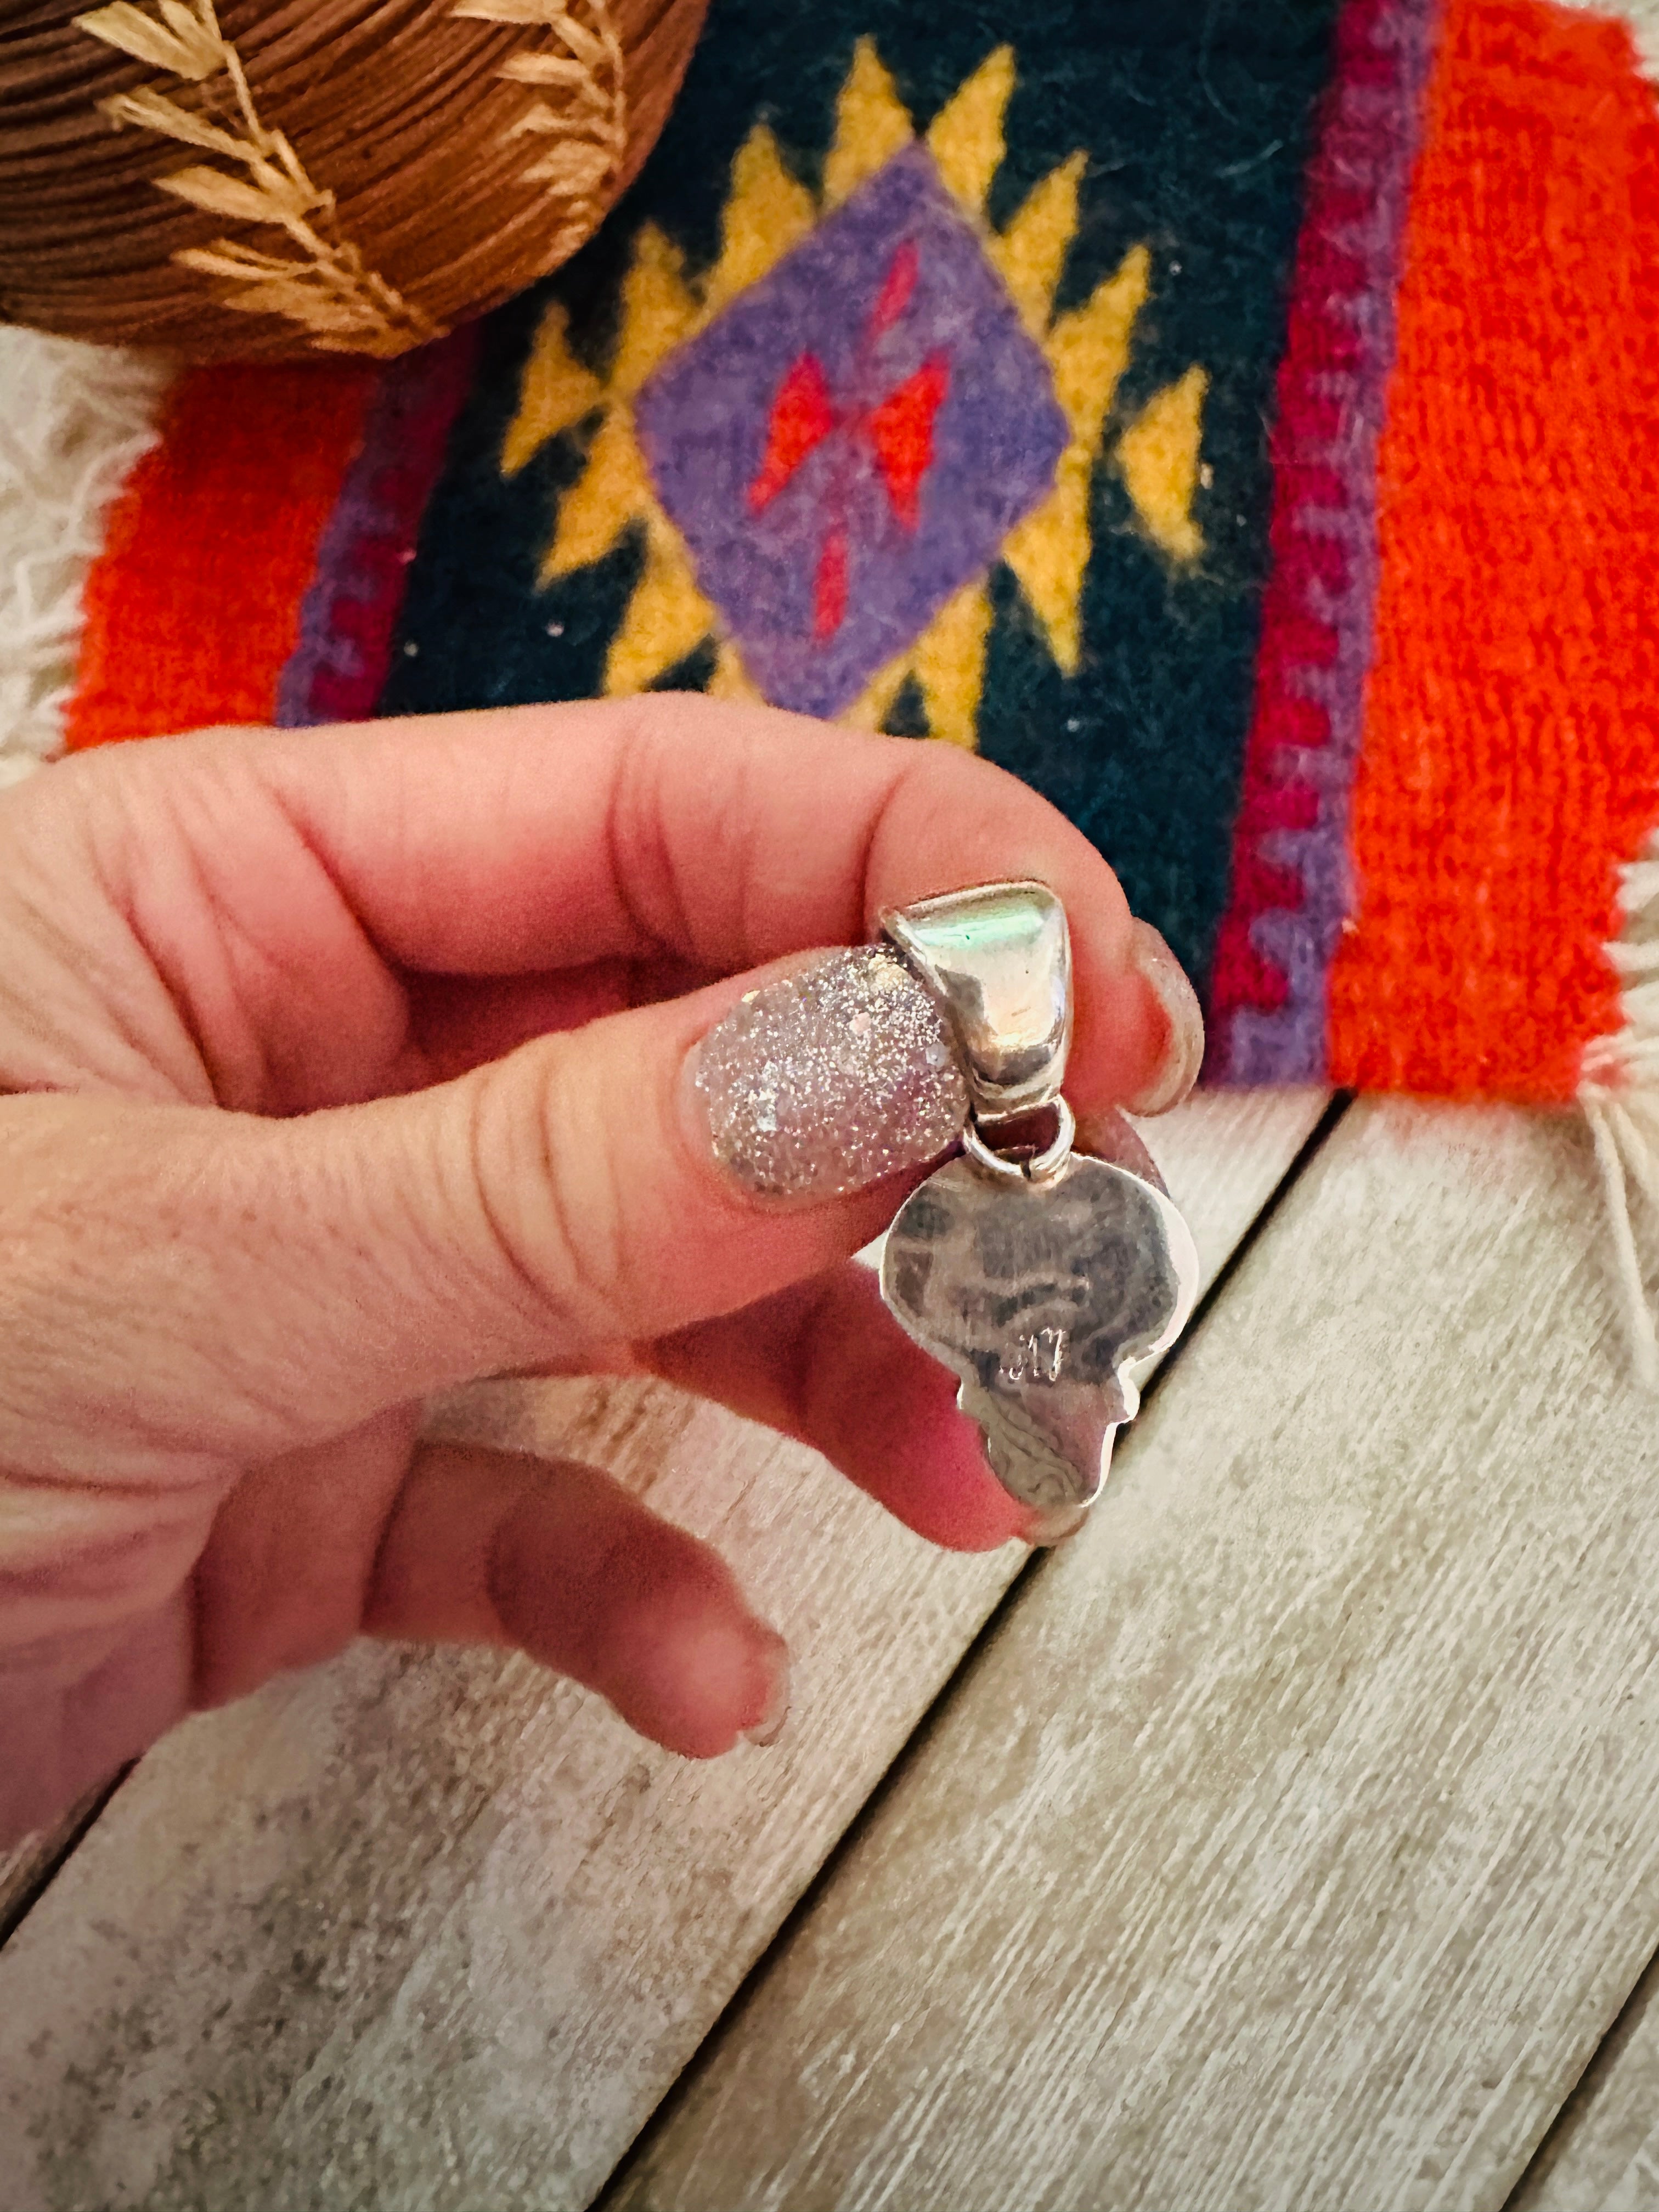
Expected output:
(356, 513)
(372, 514)
(1370, 145)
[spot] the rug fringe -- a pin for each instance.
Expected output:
(76, 417)
(1618, 1092)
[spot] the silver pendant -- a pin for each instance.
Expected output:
(1043, 1278)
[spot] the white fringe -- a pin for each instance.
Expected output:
(1642, 16)
(1620, 1086)
(1619, 1090)
(73, 419)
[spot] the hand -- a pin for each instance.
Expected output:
(345, 1067)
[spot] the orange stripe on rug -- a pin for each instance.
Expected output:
(1510, 759)
(193, 606)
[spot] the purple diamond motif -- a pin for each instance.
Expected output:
(851, 441)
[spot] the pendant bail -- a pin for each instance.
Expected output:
(998, 960)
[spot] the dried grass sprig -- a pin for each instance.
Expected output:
(329, 289)
(590, 123)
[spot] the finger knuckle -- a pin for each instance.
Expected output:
(549, 1195)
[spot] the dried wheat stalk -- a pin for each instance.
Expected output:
(331, 292)
(590, 128)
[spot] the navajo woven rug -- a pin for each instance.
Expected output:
(1235, 416)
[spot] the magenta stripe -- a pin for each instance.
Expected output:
(1317, 623)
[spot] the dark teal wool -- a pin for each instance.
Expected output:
(1195, 115)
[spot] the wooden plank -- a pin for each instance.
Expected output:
(1297, 1836)
(435, 1931)
(1602, 2154)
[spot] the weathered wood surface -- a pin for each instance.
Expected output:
(424, 1931)
(1296, 1838)
(1602, 2154)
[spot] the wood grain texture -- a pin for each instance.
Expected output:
(1297, 1836)
(436, 1932)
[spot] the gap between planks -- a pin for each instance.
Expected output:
(26, 1872)
(1602, 2154)
(959, 1681)
(1297, 1838)
(433, 1930)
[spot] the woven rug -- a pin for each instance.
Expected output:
(1234, 417)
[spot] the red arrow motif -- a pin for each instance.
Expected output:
(802, 418)
(899, 432)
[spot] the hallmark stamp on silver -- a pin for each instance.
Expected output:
(1037, 1358)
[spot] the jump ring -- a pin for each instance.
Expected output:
(1042, 1167)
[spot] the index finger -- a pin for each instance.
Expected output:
(722, 836)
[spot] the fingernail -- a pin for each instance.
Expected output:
(769, 1727)
(1053, 1525)
(831, 1078)
(1183, 1049)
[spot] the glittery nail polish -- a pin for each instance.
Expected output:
(1183, 1053)
(831, 1078)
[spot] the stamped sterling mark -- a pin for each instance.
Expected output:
(1041, 1299)
(1042, 1279)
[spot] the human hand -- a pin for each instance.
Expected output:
(342, 1066)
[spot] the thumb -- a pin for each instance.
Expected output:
(190, 1283)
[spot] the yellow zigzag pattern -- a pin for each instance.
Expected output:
(768, 212)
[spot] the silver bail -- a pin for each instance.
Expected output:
(998, 960)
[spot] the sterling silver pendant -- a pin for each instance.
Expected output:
(1043, 1278)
